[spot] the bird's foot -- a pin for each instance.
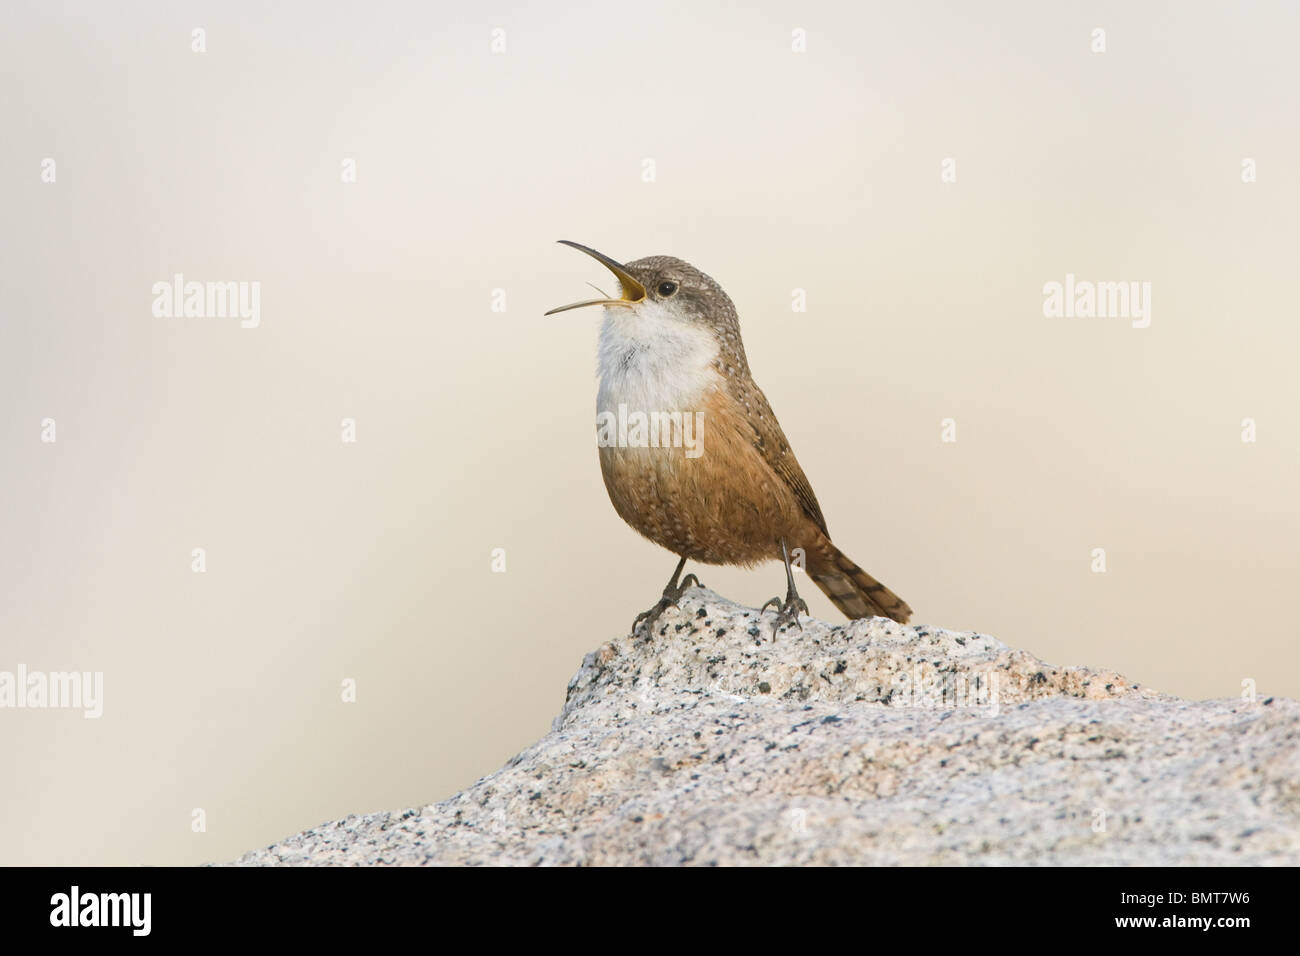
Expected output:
(787, 611)
(672, 594)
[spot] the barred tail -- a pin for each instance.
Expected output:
(853, 590)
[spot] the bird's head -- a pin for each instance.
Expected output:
(662, 288)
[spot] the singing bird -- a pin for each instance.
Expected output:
(670, 345)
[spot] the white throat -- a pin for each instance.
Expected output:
(652, 362)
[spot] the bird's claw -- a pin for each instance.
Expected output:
(787, 612)
(651, 617)
(671, 596)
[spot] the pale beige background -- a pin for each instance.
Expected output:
(775, 171)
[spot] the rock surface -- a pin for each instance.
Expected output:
(865, 743)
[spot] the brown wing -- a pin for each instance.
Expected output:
(772, 445)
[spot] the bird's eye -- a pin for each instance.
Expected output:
(667, 288)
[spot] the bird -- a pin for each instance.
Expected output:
(716, 481)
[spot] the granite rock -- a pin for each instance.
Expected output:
(868, 743)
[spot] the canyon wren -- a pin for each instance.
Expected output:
(670, 350)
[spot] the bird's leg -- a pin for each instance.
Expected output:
(787, 613)
(672, 594)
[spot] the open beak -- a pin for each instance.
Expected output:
(633, 291)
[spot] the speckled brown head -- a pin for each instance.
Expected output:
(676, 291)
